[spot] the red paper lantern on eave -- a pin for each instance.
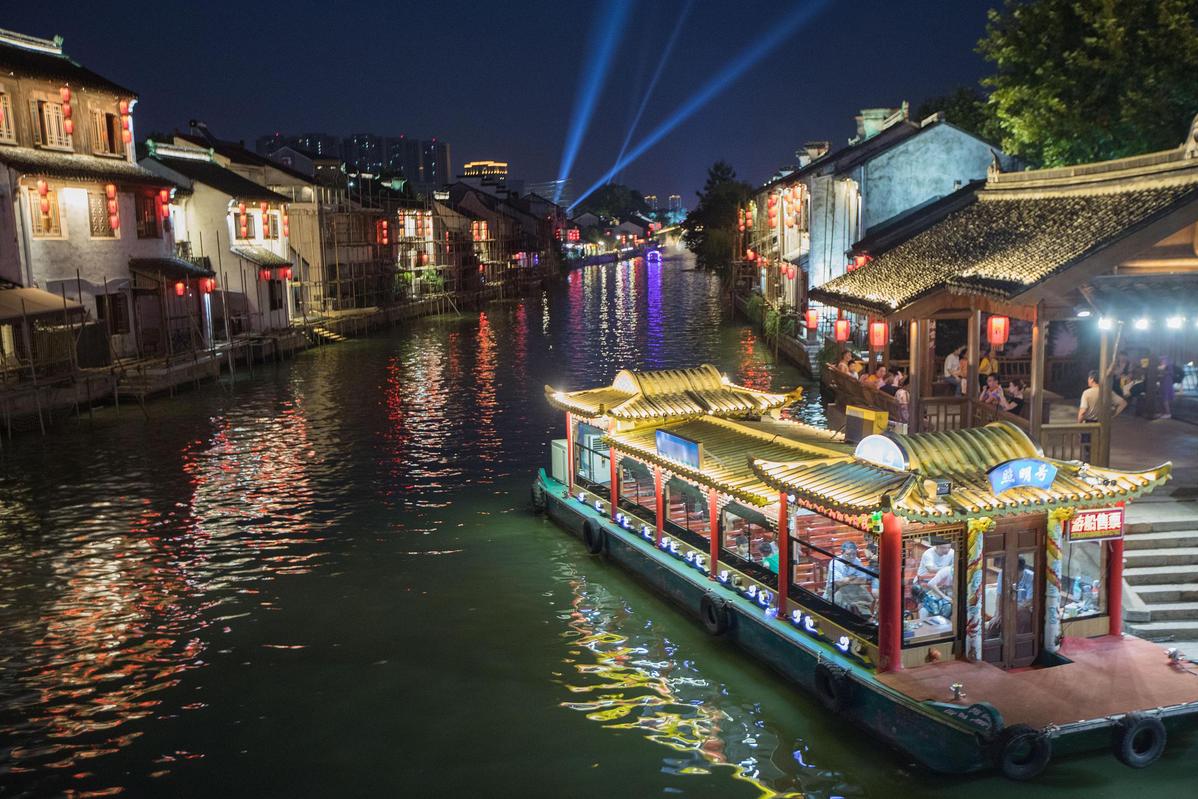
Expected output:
(879, 334)
(264, 274)
(812, 319)
(180, 288)
(842, 330)
(998, 330)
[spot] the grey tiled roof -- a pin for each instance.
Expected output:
(76, 166)
(1009, 240)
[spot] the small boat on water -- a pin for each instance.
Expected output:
(958, 593)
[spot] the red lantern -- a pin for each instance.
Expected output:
(44, 205)
(110, 191)
(842, 330)
(123, 107)
(207, 284)
(749, 222)
(263, 207)
(879, 334)
(286, 271)
(126, 136)
(286, 230)
(264, 275)
(241, 208)
(164, 195)
(114, 221)
(43, 188)
(812, 319)
(245, 232)
(1000, 330)
(112, 207)
(790, 273)
(65, 94)
(861, 260)
(68, 126)
(750, 255)
(125, 122)
(66, 111)
(180, 288)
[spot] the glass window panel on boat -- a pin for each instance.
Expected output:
(592, 467)
(834, 570)
(686, 512)
(1083, 579)
(637, 493)
(930, 586)
(749, 542)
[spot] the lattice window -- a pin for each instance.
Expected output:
(97, 215)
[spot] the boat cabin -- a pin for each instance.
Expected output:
(898, 550)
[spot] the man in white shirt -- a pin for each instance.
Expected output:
(936, 567)
(1087, 409)
(952, 368)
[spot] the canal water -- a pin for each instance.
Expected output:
(325, 581)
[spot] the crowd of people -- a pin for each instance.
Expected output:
(886, 379)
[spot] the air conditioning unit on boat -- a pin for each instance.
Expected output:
(557, 459)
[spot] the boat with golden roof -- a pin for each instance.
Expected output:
(956, 593)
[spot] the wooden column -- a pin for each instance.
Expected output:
(713, 521)
(659, 492)
(890, 603)
(783, 553)
(1114, 589)
(918, 349)
(1036, 418)
(973, 351)
(569, 452)
(615, 485)
(1100, 455)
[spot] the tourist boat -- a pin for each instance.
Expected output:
(956, 593)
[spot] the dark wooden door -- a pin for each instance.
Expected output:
(1012, 584)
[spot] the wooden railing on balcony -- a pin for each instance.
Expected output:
(1073, 442)
(941, 414)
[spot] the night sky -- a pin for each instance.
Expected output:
(498, 79)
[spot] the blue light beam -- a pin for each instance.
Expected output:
(746, 60)
(661, 64)
(591, 81)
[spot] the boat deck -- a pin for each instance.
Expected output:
(1108, 676)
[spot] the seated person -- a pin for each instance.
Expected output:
(848, 584)
(767, 556)
(894, 381)
(1014, 392)
(875, 379)
(992, 394)
(955, 368)
(935, 572)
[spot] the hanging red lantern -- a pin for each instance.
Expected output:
(999, 330)
(241, 208)
(812, 319)
(245, 232)
(879, 334)
(68, 126)
(790, 273)
(123, 107)
(180, 288)
(264, 275)
(164, 195)
(286, 230)
(750, 255)
(207, 284)
(66, 111)
(286, 273)
(749, 222)
(43, 188)
(861, 260)
(110, 191)
(43, 205)
(126, 136)
(114, 221)
(842, 330)
(263, 207)
(65, 94)
(112, 207)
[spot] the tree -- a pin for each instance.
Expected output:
(709, 231)
(614, 200)
(966, 107)
(1090, 80)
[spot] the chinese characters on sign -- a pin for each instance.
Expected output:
(1095, 525)
(1022, 473)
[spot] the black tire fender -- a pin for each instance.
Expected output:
(1022, 752)
(833, 687)
(1139, 740)
(713, 611)
(538, 498)
(593, 536)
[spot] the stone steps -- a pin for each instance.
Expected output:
(1163, 556)
(1165, 630)
(1159, 575)
(1173, 611)
(1168, 593)
(1160, 539)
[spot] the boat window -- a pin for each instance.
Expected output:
(592, 468)
(931, 576)
(749, 542)
(834, 568)
(686, 512)
(1083, 579)
(637, 494)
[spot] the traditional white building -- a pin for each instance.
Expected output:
(82, 220)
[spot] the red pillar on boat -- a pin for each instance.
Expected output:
(890, 603)
(661, 501)
(1114, 589)
(783, 553)
(615, 487)
(713, 518)
(569, 452)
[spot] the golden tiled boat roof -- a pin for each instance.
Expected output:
(963, 457)
(728, 448)
(666, 394)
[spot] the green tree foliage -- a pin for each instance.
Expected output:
(614, 200)
(966, 108)
(709, 231)
(1089, 80)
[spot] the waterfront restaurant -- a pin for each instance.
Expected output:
(899, 550)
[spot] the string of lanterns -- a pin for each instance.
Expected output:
(114, 208)
(68, 124)
(126, 125)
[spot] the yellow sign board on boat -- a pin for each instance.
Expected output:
(861, 422)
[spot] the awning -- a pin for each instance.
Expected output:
(77, 166)
(260, 256)
(16, 304)
(171, 266)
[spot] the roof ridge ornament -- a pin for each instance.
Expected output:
(1191, 142)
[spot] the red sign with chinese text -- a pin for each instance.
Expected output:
(1096, 524)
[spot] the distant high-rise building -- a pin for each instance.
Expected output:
(651, 201)
(675, 203)
(403, 158)
(435, 163)
(364, 152)
(319, 144)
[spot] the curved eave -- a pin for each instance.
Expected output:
(850, 499)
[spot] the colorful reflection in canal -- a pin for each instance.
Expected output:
(325, 581)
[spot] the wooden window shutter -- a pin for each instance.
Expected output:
(98, 143)
(35, 116)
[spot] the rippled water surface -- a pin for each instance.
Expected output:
(325, 581)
